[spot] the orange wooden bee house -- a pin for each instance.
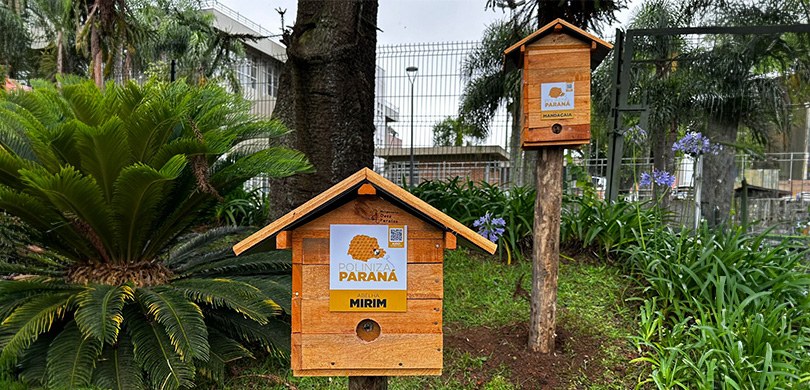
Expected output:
(367, 283)
(556, 84)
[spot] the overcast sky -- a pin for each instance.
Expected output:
(404, 21)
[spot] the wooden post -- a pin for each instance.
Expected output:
(368, 383)
(546, 257)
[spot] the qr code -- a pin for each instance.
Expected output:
(569, 87)
(396, 234)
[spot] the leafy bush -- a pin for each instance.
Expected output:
(243, 208)
(123, 296)
(725, 310)
(605, 228)
(467, 201)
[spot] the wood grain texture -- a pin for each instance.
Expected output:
(545, 263)
(450, 241)
(389, 351)
(423, 316)
(371, 372)
(284, 240)
(545, 30)
(369, 211)
(424, 281)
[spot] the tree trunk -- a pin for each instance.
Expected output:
(60, 56)
(326, 95)
(96, 55)
(368, 383)
(547, 207)
(720, 171)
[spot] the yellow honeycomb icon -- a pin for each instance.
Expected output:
(365, 248)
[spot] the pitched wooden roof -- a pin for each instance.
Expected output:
(346, 187)
(515, 54)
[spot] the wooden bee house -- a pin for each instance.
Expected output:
(556, 84)
(367, 282)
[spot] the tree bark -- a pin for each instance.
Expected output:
(547, 207)
(368, 383)
(60, 59)
(326, 95)
(96, 55)
(720, 171)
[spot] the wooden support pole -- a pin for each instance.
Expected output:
(368, 383)
(546, 257)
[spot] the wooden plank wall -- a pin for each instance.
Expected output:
(325, 343)
(556, 58)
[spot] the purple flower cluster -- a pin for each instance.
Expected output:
(491, 228)
(661, 178)
(695, 143)
(636, 135)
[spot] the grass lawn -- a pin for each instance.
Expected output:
(485, 323)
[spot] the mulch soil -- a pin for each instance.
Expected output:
(506, 347)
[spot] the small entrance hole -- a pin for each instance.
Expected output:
(368, 330)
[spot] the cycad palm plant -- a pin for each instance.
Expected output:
(123, 294)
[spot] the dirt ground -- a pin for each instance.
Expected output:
(507, 347)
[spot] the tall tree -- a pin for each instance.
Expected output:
(14, 39)
(454, 131)
(326, 94)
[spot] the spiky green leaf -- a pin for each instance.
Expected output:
(156, 356)
(72, 358)
(117, 368)
(182, 319)
(99, 312)
(223, 292)
(28, 321)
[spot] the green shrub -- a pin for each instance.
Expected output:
(725, 310)
(589, 223)
(468, 201)
(243, 208)
(123, 295)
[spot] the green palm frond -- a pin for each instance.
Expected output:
(275, 287)
(238, 296)
(242, 265)
(155, 354)
(84, 100)
(184, 145)
(72, 358)
(193, 246)
(182, 319)
(104, 153)
(117, 368)
(74, 195)
(34, 362)
(139, 190)
(273, 337)
(99, 312)
(28, 321)
(223, 350)
(13, 136)
(274, 162)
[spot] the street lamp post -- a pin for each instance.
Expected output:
(411, 71)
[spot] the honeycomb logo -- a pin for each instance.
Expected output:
(556, 92)
(365, 248)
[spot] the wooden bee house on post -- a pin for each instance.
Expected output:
(367, 280)
(556, 84)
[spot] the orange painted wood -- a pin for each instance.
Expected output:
(297, 316)
(570, 135)
(284, 240)
(563, 59)
(545, 30)
(389, 351)
(366, 189)
(423, 316)
(424, 281)
(449, 241)
(379, 182)
(369, 211)
(305, 232)
(371, 372)
(295, 351)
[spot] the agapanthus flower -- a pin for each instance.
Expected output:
(661, 178)
(695, 143)
(489, 227)
(636, 135)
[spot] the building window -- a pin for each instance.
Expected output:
(247, 73)
(272, 72)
